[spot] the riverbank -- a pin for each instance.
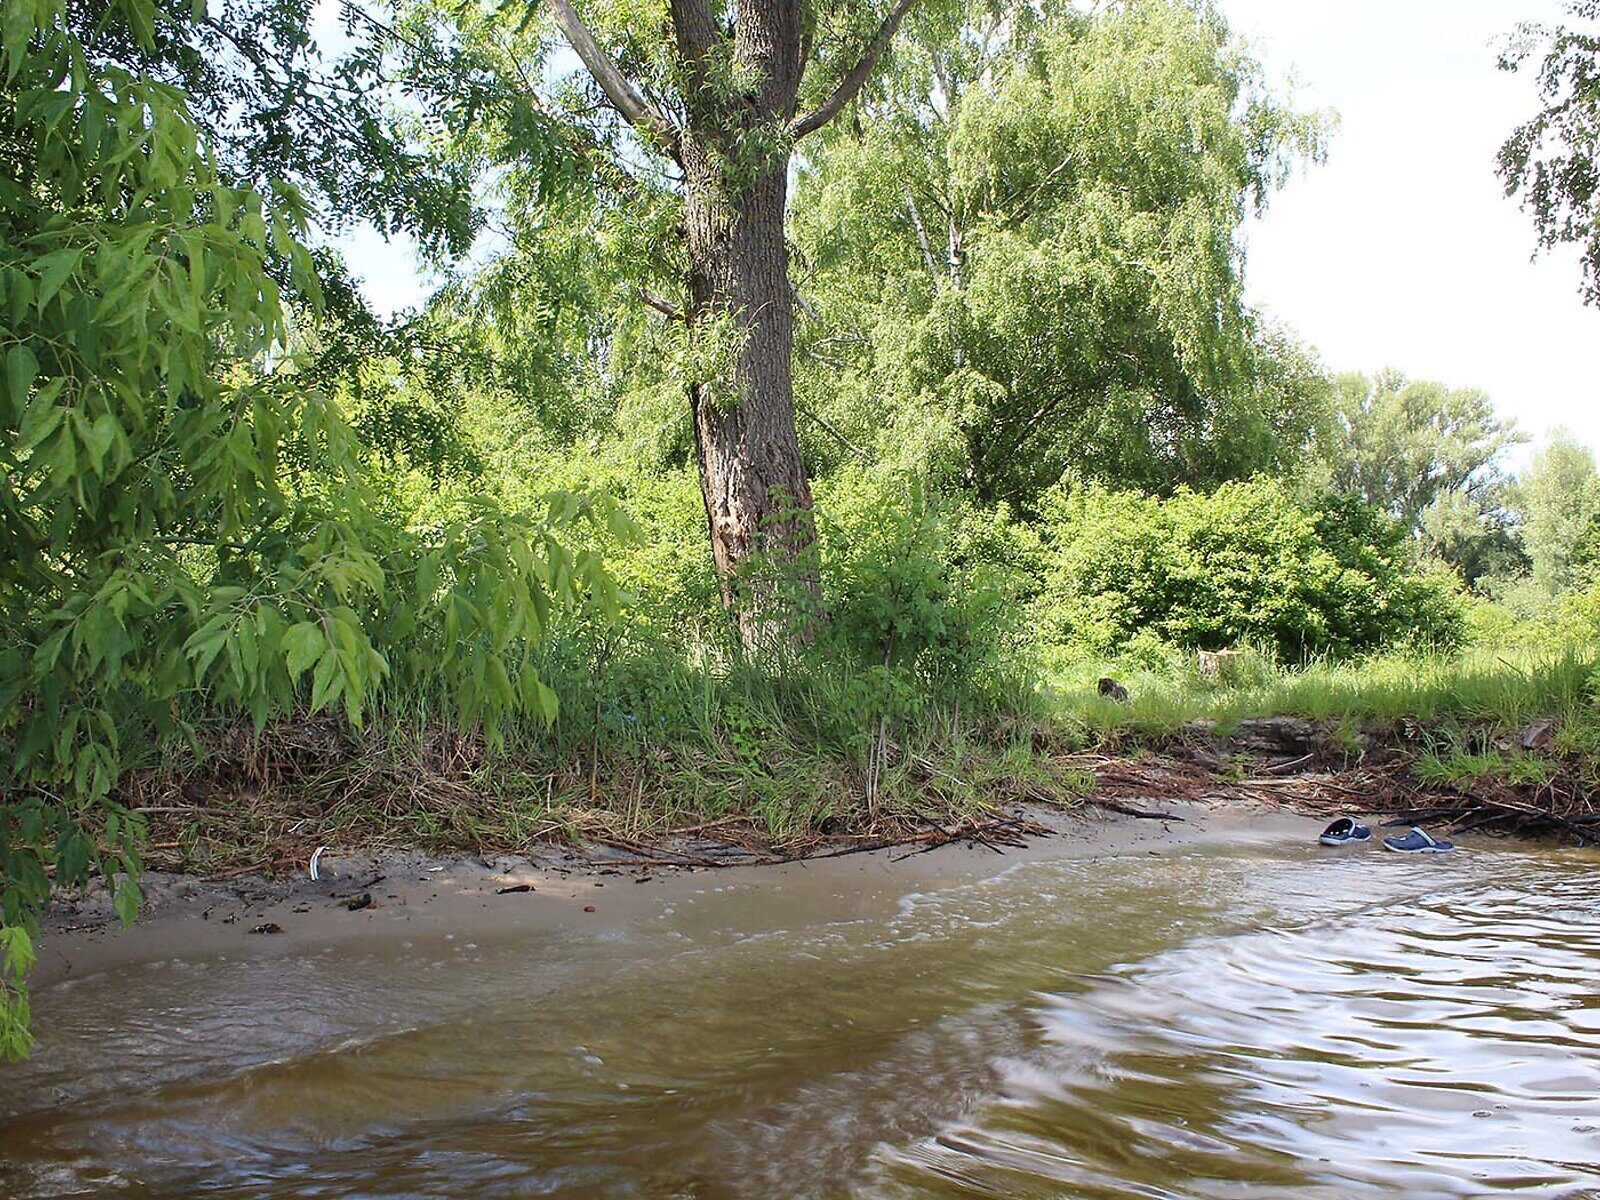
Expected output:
(456, 830)
(264, 806)
(589, 888)
(1194, 784)
(781, 765)
(1060, 1019)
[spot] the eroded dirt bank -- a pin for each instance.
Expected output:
(1194, 784)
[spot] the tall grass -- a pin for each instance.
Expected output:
(652, 737)
(648, 739)
(1477, 685)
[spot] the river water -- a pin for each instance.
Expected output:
(1244, 1017)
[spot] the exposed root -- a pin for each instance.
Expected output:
(264, 802)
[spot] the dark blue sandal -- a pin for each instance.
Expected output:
(1343, 831)
(1418, 842)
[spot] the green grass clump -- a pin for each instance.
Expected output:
(1476, 685)
(1459, 768)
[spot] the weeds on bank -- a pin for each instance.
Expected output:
(788, 753)
(1451, 766)
(1475, 686)
(650, 745)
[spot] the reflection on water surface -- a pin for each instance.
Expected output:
(1271, 1021)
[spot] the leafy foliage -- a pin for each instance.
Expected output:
(185, 521)
(1242, 565)
(272, 105)
(1553, 159)
(1025, 261)
(1403, 445)
(1474, 533)
(912, 589)
(1558, 498)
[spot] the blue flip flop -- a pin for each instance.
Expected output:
(1343, 831)
(1418, 842)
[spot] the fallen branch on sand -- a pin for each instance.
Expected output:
(1130, 811)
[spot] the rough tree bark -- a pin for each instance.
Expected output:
(733, 145)
(735, 158)
(757, 496)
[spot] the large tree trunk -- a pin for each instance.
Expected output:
(742, 68)
(741, 315)
(757, 497)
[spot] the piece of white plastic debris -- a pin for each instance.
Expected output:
(314, 857)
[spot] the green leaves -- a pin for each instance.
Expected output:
(1244, 564)
(1401, 445)
(54, 270)
(1038, 271)
(1553, 159)
(16, 951)
(191, 525)
(303, 645)
(126, 899)
(17, 23)
(21, 368)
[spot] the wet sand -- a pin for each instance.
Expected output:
(376, 900)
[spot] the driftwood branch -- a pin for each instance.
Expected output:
(624, 97)
(857, 77)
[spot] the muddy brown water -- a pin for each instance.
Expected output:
(1228, 1018)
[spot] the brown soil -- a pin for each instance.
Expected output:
(262, 811)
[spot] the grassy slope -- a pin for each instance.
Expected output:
(1478, 686)
(1466, 717)
(798, 756)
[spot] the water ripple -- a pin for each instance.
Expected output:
(1267, 1020)
(1442, 1045)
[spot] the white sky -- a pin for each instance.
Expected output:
(1402, 250)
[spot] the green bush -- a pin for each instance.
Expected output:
(1244, 564)
(1580, 614)
(186, 526)
(913, 587)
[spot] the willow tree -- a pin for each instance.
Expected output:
(1025, 257)
(723, 92)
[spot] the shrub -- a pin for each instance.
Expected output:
(185, 525)
(1244, 564)
(914, 587)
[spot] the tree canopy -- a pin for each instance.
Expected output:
(1023, 257)
(1552, 160)
(1403, 445)
(1558, 498)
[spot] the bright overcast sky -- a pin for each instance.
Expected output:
(1402, 250)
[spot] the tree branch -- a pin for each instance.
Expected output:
(624, 97)
(857, 77)
(662, 305)
(922, 234)
(827, 428)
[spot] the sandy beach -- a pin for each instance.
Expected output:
(369, 899)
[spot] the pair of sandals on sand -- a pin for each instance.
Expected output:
(1418, 841)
